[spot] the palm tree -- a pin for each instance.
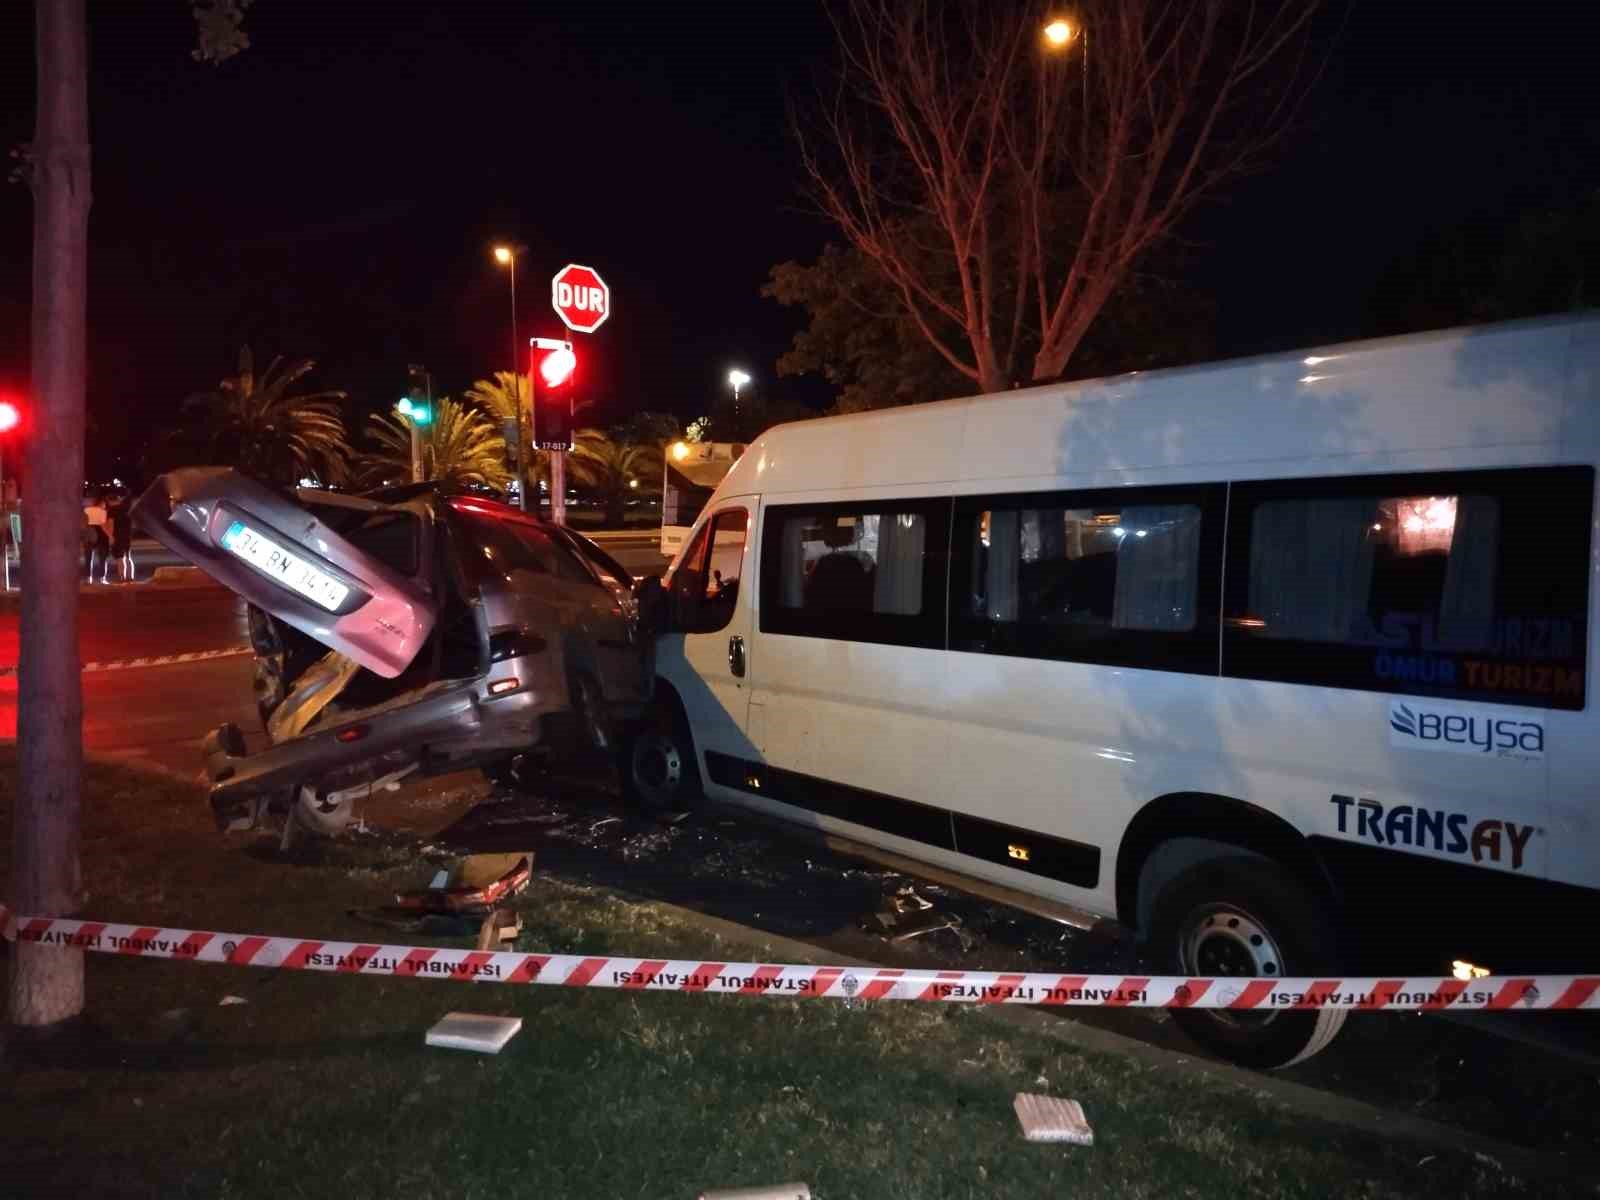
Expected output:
(499, 399)
(460, 446)
(614, 470)
(256, 423)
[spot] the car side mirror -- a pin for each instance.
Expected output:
(651, 598)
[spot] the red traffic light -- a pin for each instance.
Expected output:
(556, 367)
(9, 416)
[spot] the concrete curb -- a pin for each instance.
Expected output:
(1356, 1115)
(619, 535)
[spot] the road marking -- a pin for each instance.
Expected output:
(159, 660)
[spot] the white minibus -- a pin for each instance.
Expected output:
(1281, 662)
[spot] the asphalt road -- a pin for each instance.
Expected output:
(140, 620)
(158, 714)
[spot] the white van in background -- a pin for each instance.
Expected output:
(1281, 662)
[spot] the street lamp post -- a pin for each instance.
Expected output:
(506, 256)
(1061, 33)
(737, 379)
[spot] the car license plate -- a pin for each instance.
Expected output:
(288, 569)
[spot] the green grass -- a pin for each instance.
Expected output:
(321, 1085)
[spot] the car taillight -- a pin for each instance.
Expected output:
(514, 643)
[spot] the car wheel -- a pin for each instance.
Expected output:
(1247, 917)
(513, 773)
(589, 705)
(314, 811)
(659, 771)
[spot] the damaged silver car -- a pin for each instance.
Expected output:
(404, 631)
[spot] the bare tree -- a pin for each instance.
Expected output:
(1044, 172)
(47, 981)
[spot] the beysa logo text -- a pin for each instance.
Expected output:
(1463, 731)
(1424, 828)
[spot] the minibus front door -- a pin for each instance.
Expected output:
(709, 606)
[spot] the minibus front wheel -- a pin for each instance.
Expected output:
(659, 769)
(1246, 916)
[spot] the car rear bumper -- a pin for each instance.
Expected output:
(454, 726)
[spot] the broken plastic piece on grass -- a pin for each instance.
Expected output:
(476, 889)
(227, 1000)
(474, 1031)
(1048, 1119)
(777, 1191)
(502, 925)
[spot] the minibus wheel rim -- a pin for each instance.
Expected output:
(657, 765)
(1225, 940)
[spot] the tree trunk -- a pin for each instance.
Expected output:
(47, 982)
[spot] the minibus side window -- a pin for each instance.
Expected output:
(1462, 584)
(864, 571)
(1128, 577)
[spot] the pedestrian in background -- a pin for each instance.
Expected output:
(120, 529)
(96, 545)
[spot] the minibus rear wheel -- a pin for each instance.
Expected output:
(1246, 916)
(659, 770)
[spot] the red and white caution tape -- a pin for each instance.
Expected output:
(157, 660)
(795, 981)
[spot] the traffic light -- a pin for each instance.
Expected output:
(411, 410)
(418, 404)
(554, 368)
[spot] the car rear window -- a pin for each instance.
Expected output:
(392, 538)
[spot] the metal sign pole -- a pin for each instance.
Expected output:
(558, 486)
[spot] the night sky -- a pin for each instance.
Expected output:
(334, 191)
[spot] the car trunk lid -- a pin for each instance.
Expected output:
(277, 553)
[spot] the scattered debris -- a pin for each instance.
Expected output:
(477, 884)
(1048, 1119)
(908, 915)
(502, 925)
(673, 818)
(474, 1031)
(227, 1000)
(411, 920)
(603, 822)
(926, 923)
(777, 1191)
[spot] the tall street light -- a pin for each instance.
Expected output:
(1058, 33)
(736, 380)
(506, 256)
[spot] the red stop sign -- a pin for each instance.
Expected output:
(580, 297)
